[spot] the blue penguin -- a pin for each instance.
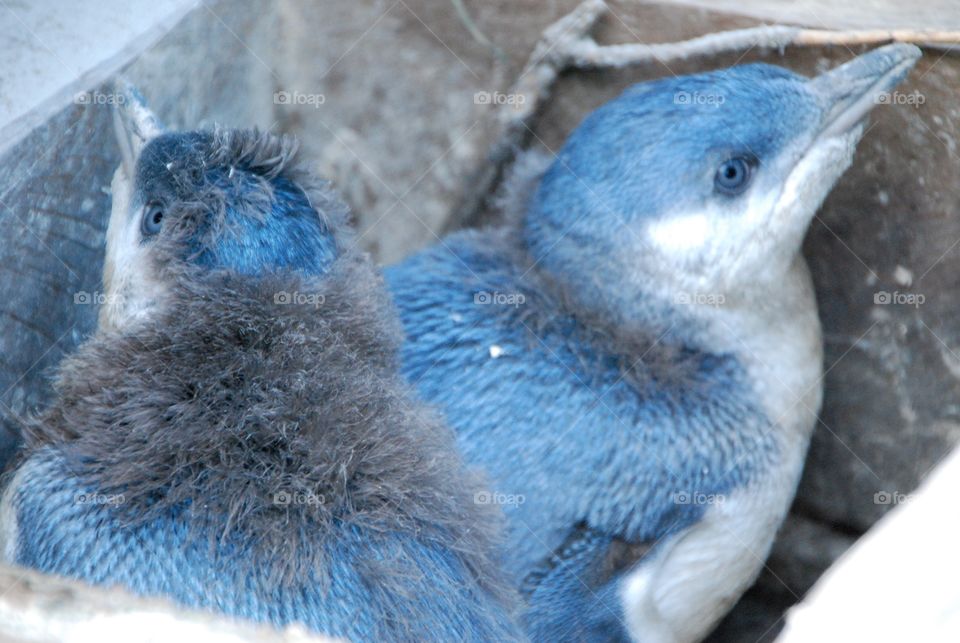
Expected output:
(237, 436)
(635, 355)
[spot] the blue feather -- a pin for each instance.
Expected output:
(70, 529)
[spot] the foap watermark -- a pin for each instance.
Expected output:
(287, 498)
(914, 98)
(890, 497)
(499, 98)
(111, 499)
(98, 98)
(896, 298)
(714, 299)
(497, 498)
(698, 498)
(485, 298)
(298, 98)
(295, 298)
(84, 298)
(713, 99)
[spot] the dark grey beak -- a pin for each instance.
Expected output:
(134, 124)
(851, 90)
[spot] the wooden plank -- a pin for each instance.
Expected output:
(829, 14)
(51, 53)
(35, 607)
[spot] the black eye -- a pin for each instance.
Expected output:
(152, 219)
(733, 176)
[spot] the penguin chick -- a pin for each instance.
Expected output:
(236, 435)
(638, 355)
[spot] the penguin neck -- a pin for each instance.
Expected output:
(770, 327)
(773, 330)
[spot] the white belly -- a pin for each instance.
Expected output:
(681, 593)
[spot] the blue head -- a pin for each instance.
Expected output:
(702, 183)
(226, 200)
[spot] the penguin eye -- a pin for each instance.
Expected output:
(152, 219)
(733, 175)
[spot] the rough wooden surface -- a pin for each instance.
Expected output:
(829, 14)
(51, 53)
(36, 608)
(54, 204)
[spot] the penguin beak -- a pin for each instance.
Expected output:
(848, 92)
(134, 124)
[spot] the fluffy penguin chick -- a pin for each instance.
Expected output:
(235, 435)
